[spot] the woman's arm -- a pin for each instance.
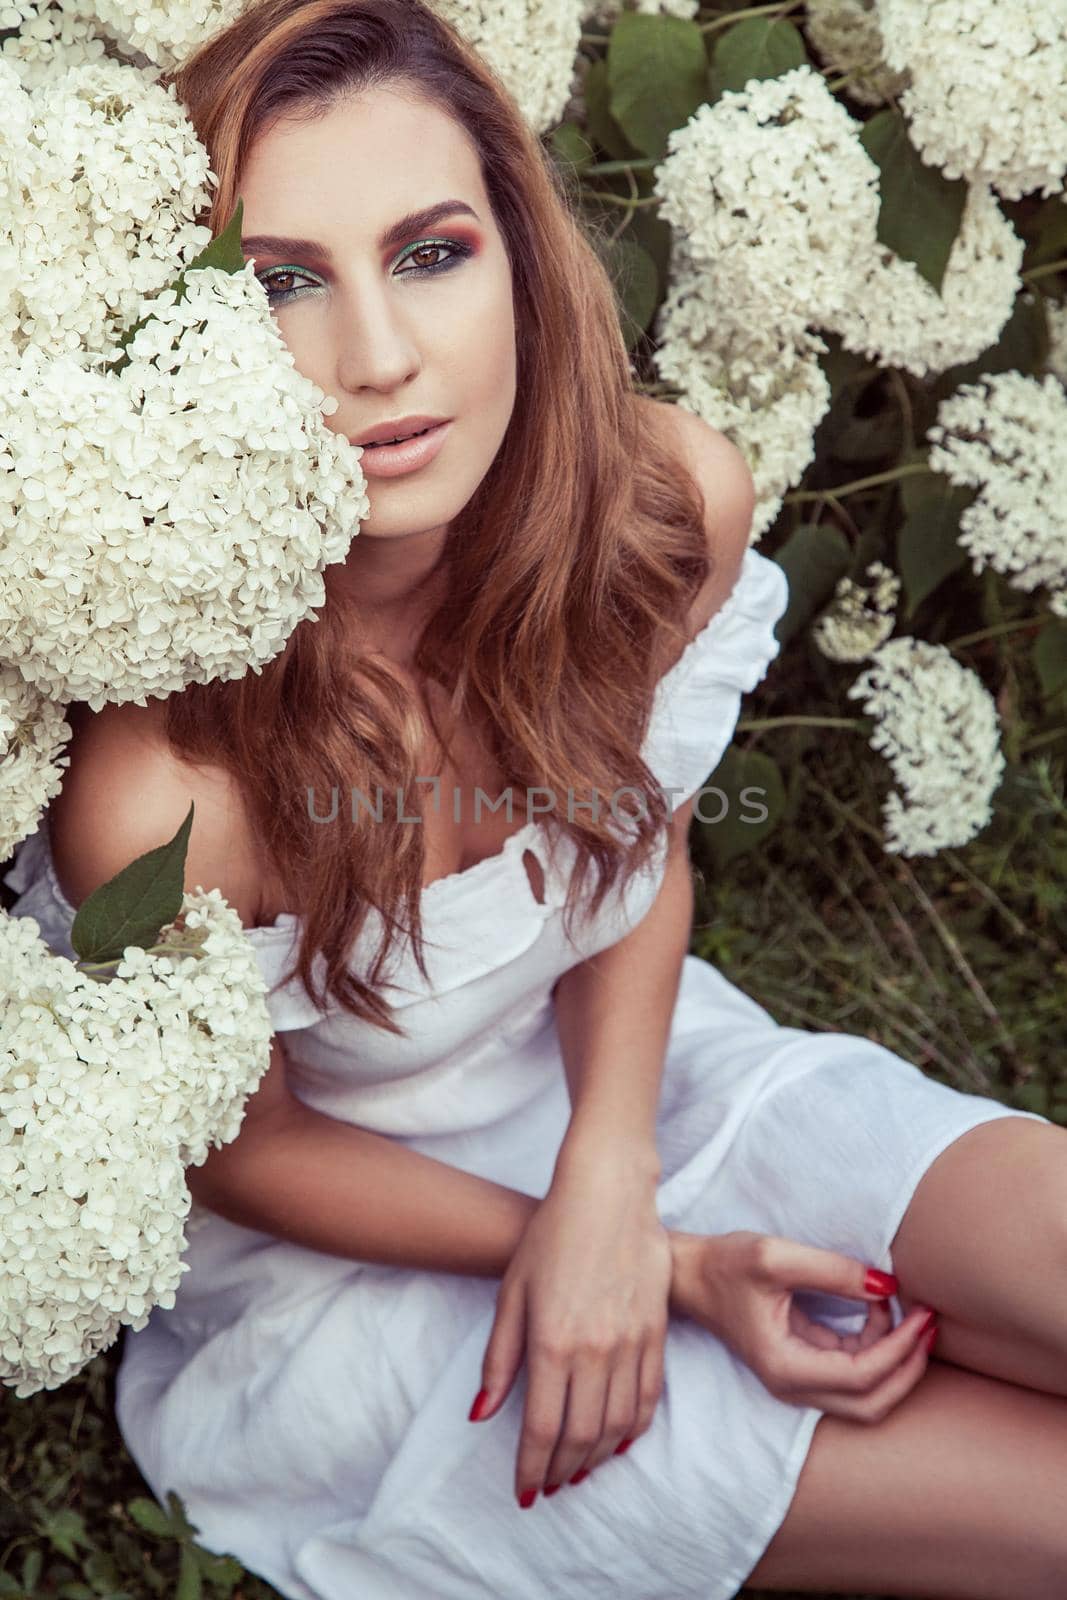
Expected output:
(328, 1185)
(614, 1010)
(613, 1013)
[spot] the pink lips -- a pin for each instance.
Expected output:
(393, 460)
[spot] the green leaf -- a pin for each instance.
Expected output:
(598, 118)
(633, 272)
(747, 809)
(1050, 658)
(65, 1530)
(657, 75)
(570, 146)
(136, 903)
(921, 209)
(150, 1516)
(31, 1570)
(224, 252)
(1022, 346)
(928, 547)
(189, 1584)
(813, 559)
(756, 48)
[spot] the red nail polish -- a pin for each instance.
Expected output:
(930, 1336)
(876, 1282)
(550, 1488)
(527, 1498)
(583, 1472)
(481, 1399)
(625, 1445)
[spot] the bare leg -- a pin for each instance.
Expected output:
(959, 1494)
(984, 1241)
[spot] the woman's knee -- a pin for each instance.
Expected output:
(957, 1494)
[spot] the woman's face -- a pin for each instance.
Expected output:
(419, 323)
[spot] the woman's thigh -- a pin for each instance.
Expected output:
(958, 1494)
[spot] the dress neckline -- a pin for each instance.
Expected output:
(515, 842)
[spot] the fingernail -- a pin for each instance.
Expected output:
(626, 1443)
(550, 1488)
(928, 1322)
(481, 1400)
(527, 1498)
(583, 1472)
(877, 1282)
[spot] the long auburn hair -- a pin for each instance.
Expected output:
(563, 572)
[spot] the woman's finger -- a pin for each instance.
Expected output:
(548, 1375)
(879, 1323)
(617, 1417)
(813, 1332)
(884, 1398)
(797, 1367)
(583, 1423)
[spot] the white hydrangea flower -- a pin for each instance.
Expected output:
(107, 175)
(51, 42)
(771, 189)
(1006, 436)
(860, 616)
(892, 315)
(33, 733)
(608, 11)
(13, 13)
(987, 99)
(1056, 312)
(766, 393)
(168, 524)
(163, 32)
(939, 731)
(108, 1090)
(529, 44)
(847, 36)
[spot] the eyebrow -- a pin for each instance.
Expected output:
(414, 222)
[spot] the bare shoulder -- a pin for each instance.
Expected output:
(126, 791)
(722, 474)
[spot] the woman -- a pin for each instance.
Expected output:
(557, 584)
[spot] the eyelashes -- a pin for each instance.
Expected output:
(458, 252)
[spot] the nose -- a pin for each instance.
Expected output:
(376, 343)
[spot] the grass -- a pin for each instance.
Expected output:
(958, 962)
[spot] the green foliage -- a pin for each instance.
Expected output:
(921, 209)
(657, 74)
(759, 47)
(136, 903)
(224, 252)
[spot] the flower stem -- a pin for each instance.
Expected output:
(1046, 271)
(748, 724)
(731, 17)
(911, 469)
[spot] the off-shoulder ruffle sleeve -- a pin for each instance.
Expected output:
(697, 703)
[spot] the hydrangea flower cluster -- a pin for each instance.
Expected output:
(167, 524)
(937, 726)
(529, 44)
(1006, 436)
(860, 616)
(108, 1091)
(33, 733)
(106, 175)
(987, 97)
(774, 202)
(170, 492)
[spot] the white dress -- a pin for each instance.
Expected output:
(312, 1411)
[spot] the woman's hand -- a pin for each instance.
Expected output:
(740, 1287)
(585, 1300)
